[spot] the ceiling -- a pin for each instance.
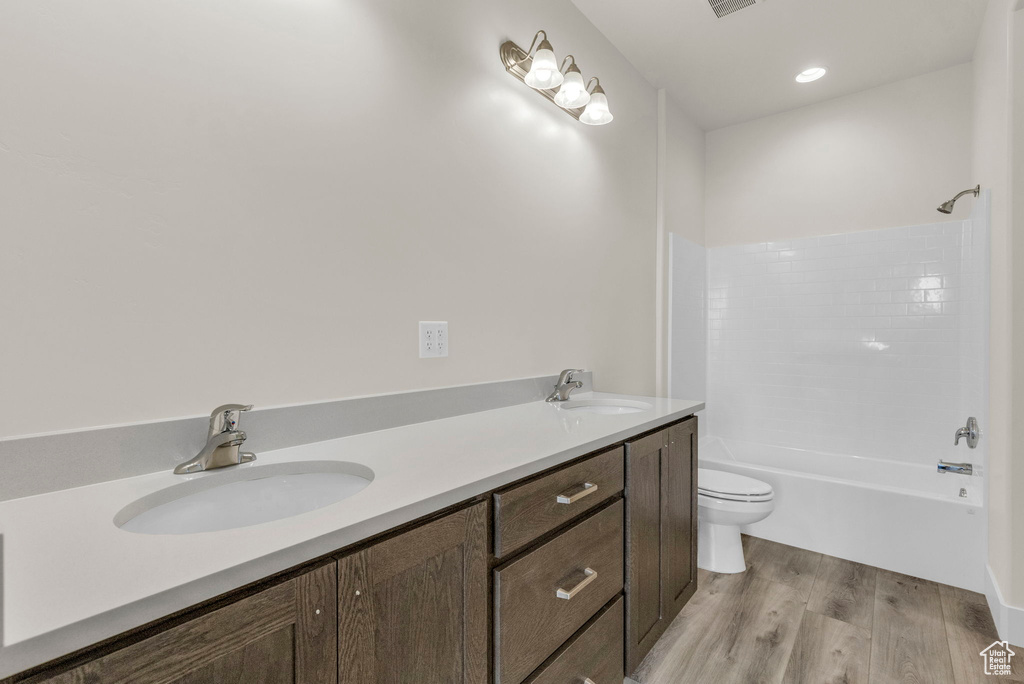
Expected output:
(742, 67)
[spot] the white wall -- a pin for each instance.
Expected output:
(882, 158)
(681, 163)
(992, 149)
(1016, 211)
(207, 201)
(684, 178)
(688, 341)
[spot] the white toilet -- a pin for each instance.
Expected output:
(724, 502)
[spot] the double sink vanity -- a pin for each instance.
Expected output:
(544, 542)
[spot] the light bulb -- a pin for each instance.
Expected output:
(544, 73)
(596, 113)
(573, 93)
(812, 74)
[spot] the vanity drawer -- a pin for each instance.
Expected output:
(544, 597)
(595, 655)
(526, 512)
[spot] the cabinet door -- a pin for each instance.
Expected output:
(661, 534)
(646, 503)
(680, 528)
(284, 635)
(413, 608)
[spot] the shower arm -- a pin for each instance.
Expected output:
(973, 191)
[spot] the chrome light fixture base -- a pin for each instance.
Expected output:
(517, 62)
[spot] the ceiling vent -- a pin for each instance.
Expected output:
(726, 7)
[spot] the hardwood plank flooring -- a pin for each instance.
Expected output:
(798, 617)
(829, 651)
(787, 565)
(756, 647)
(969, 629)
(908, 641)
(695, 632)
(844, 590)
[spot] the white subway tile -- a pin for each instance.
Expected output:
(836, 332)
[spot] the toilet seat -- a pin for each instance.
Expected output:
(719, 484)
(735, 497)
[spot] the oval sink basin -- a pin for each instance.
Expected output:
(605, 406)
(244, 497)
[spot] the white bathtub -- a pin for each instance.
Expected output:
(898, 516)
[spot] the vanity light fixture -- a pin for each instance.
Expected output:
(596, 113)
(544, 72)
(573, 93)
(812, 74)
(538, 68)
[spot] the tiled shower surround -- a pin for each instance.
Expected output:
(870, 343)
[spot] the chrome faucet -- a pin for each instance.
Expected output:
(565, 385)
(222, 442)
(970, 431)
(959, 468)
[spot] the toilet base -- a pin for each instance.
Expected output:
(719, 548)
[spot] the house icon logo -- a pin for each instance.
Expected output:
(997, 658)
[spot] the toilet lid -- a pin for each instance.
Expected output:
(723, 485)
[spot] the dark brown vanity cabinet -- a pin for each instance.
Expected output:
(559, 548)
(284, 635)
(541, 584)
(413, 608)
(410, 608)
(543, 597)
(661, 534)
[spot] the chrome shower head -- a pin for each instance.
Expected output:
(947, 207)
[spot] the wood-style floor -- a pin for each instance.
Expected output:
(799, 616)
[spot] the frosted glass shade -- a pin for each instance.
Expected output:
(544, 73)
(596, 113)
(573, 93)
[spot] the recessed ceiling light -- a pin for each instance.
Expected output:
(812, 74)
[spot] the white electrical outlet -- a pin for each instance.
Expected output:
(433, 339)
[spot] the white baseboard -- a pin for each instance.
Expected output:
(1009, 619)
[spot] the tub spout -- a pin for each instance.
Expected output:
(959, 468)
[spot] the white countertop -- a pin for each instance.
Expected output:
(72, 578)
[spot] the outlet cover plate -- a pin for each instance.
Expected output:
(433, 340)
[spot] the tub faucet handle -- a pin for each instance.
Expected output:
(969, 431)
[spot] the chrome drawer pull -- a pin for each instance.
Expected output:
(588, 680)
(591, 575)
(588, 489)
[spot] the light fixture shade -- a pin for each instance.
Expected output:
(573, 93)
(544, 73)
(596, 113)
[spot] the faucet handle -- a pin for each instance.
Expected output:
(970, 431)
(225, 418)
(567, 375)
